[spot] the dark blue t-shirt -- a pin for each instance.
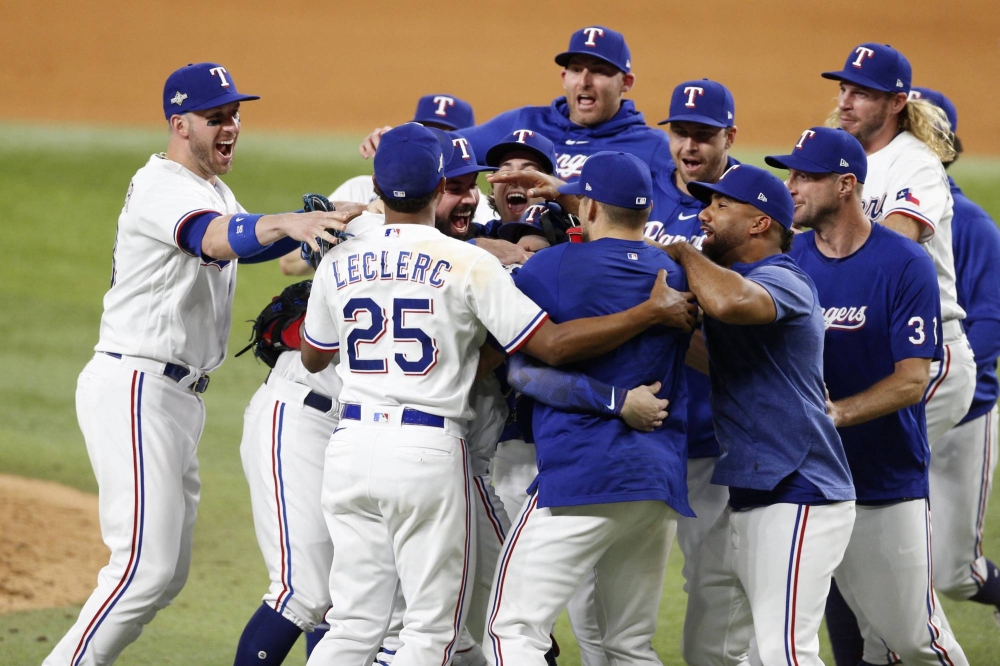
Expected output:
(976, 243)
(590, 459)
(881, 305)
(674, 219)
(625, 131)
(767, 390)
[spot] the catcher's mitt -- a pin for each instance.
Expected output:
(285, 309)
(554, 221)
(314, 202)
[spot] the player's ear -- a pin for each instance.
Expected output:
(846, 185)
(730, 136)
(180, 124)
(627, 82)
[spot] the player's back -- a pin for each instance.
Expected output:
(584, 458)
(407, 306)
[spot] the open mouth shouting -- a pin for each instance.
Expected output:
(515, 201)
(460, 220)
(225, 148)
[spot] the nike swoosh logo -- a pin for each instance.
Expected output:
(571, 142)
(682, 216)
(612, 404)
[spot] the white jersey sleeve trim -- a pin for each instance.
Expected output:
(528, 331)
(322, 346)
(928, 227)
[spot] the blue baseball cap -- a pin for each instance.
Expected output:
(205, 85)
(702, 101)
(447, 111)
(751, 185)
(600, 42)
(463, 158)
(529, 141)
(528, 224)
(616, 179)
(825, 150)
(939, 100)
(410, 159)
(877, 66)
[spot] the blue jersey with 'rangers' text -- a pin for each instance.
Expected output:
(881, 305)
(593, 459)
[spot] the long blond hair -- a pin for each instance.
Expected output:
(925, 121)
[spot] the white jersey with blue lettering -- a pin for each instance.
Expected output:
(165, 304)
(406, 301)
(907, 178)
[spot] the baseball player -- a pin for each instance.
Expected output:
(164, 328)
(522, 149)
(701, 129)
(593, 506)
(880, 296)
(962, 466)
(591, 117)
(764, 570)
(907, 191)
(407, 520)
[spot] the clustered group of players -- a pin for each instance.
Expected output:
(788, 376)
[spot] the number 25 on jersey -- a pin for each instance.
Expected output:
(401, 307)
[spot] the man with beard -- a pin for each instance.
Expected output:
(165, 326)
(907, 190)
(591, 117)
(764, 570)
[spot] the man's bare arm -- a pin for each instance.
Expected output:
(904, 387)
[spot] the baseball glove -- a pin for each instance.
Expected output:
(285, 310)
(554, 221)
(311, 203)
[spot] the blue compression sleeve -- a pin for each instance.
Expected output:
(190, 236)
(278, 248)
(568, 391)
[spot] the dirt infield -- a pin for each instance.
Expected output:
(347, 66)
(51, 548)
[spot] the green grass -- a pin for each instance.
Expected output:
(60, 194)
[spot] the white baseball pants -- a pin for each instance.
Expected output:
(399, 503)
(142, 431)
(759, 587)
(708, 501)
(961, 477)
(548, 554)
(282, 451)
(885, 577)
(952, 385)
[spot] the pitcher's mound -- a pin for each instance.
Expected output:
(50, 544)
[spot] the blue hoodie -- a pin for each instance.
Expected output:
(626, 131)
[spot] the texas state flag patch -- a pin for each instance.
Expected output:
(908, 196)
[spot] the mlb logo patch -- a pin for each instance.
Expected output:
(391, 232)
(633, 256)
(906, 195)
(399, 194)
(640, 201)
(381, 417)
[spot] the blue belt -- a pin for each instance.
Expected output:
(352, 412)
(177, 373)
(317, 401)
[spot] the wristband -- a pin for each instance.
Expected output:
(243, 235)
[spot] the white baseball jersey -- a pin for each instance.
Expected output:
(360, 189)
(906, 177)
(164, 303)
(406, 301)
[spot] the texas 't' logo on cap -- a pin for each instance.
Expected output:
(592, 33)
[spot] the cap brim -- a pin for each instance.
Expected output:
(563, 59)
(436, 121)
(469, 168)
(575, 187)
(222, 100)
(495, 154)
(703, 191)
(797, 163)
(858, 80)
(694, 118)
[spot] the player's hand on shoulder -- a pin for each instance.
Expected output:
(676, 309)
(642, 410)
(370, 144)
(377, 206)
(352, 207)
(508, 253)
